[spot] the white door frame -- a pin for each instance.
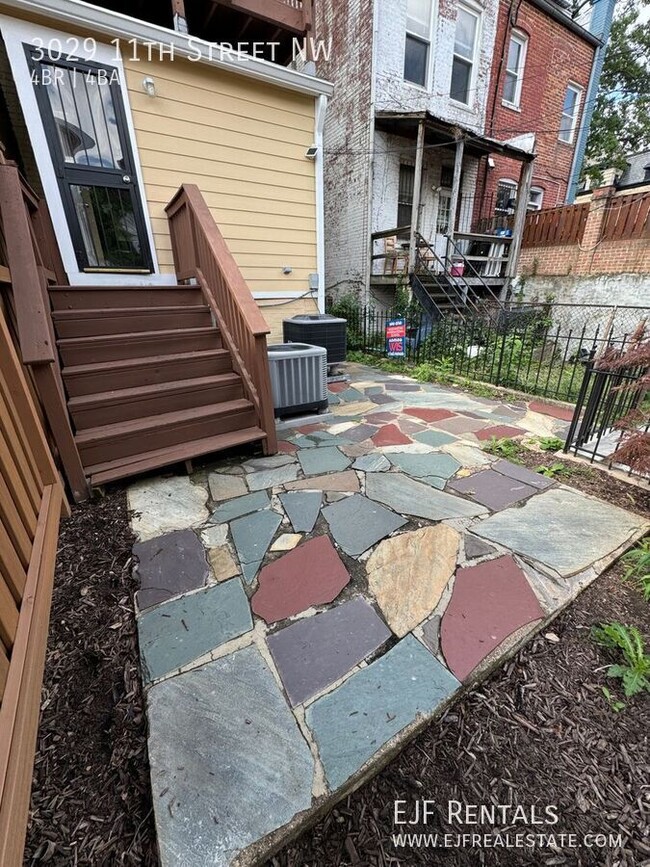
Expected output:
(16, 34)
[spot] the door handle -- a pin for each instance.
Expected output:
(126, 179)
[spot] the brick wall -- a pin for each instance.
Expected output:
(593, 255)
(347, 141)
(555, 56)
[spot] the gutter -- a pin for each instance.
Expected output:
(116, 25)
(555, 12)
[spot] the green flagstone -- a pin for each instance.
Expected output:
(410, 497)
(302, 508)
(434, 438)
(326, 459)
(352, 722)
(442, 466)
(177, 632)
(357, 523)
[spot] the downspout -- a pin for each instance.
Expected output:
(319, 125)
(600, 26)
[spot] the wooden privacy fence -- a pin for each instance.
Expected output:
(31, 503)
(627, 217)
(555, 226)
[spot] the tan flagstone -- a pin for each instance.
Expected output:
(408, 574)
(360, 407)
(345, 482)
(223, 563)
(286, 542)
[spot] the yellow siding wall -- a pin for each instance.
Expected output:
(243, 143)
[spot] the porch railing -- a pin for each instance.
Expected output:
(31, 261)
(201, 253)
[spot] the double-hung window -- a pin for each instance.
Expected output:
(514, 70)
(465, 46)
(570, 112)
(418, 41)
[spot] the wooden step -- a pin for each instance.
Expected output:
(112, 407)
(132, 372)
(141, 344)
(126, 439)
(100, 474)
(103, 297)
(96, 322)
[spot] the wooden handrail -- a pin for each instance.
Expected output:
(201, 253)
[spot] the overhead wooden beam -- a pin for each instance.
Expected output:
(273, 11)
(180, 18)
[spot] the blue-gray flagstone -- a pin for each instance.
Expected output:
(252, 536)
(262, 479)
(326, 459)
(176, 633)
(352, 722)
(302, 508)
(372, 463)
(437, 464)
(562, 529)
(240, 506)
(316, 651)
(228, 761)
(434, 438)
(410, 497)
(356, 523)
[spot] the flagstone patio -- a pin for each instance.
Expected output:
(301, 616)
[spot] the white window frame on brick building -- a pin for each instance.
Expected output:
(419, 25)
(567, 131)
(465, 56)
(515, 65)
(535, 199)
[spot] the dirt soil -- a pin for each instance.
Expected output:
(539, 732)
(91, 800)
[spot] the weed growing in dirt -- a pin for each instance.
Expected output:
(504, 448)
(550, 444)
(634, 670)
(638, 567)
(553, 471)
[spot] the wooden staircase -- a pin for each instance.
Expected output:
(148, 379)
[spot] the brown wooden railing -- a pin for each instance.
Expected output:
(31, 504)
(627, 217)
(555, 226)
(31, 260)
(201, 253)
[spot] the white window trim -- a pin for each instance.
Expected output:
(578, 91)
(429, 40)
(522, 39)
(16, 33)
(539, 190)
(477, 12)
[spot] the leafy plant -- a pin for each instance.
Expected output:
(503, 448)
(550, 444)
(614, 703)
(638, 567)
(634, 670)
(553, 471)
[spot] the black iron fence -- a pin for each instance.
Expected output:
(537, 348)
(606, 397)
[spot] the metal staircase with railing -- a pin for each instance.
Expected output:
(446, 290)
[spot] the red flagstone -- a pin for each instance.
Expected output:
(489, 602)
(499, 431)
(287, 448)
(311, 574)
(310, 428)
(429, 414)
(336, 387)
(561, 412)
(390, 435)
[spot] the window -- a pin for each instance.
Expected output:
(405, 195)
(462, 71)
(505, 197)
(514, 70)
(569, 119)
(418, 39)
(535, 199)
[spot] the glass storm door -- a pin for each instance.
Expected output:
(85, 123)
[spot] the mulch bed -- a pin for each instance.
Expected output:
(91, 800)
(538, 732)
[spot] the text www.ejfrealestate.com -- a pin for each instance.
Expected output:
(505, 840)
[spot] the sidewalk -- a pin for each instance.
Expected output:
(301, 616)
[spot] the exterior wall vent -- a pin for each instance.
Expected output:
(298, 377)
